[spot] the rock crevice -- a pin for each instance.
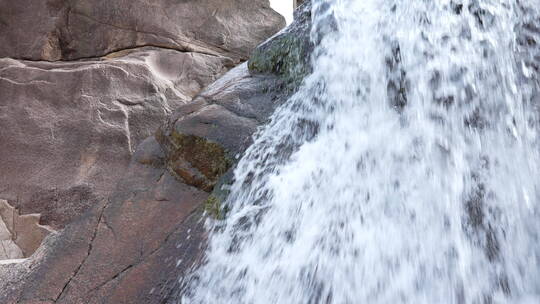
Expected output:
(20, 235)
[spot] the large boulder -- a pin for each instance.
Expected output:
(134, 246)
(69, 129)
(79, 144)
(73, 29)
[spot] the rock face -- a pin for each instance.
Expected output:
(149, 232)
(8, 248)
(80, 145)
(288, 53)
(73, 29)
(20, 235)
(69, 129)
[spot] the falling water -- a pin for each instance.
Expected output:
(404, 170)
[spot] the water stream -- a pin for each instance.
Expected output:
(405, 169)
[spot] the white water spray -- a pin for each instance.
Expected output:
(405, 170)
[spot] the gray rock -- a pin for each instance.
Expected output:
(73, 29)
(288, 53)
(134, 246)
(202, 139)
(297, 3)
(8, 248)
(69, 129)
(21, 235)
(78, 145)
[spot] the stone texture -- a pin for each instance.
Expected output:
(73, 29)
(288, 53)
(20, 235)
(227, 112)
(134, 246)
(8, 248)
(78, 144)
(69, 129)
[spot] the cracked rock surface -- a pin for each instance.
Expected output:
(69, 129)
(137, 245)
(84, 85)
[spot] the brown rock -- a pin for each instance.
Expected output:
(20, 235)
(69, 129)
(136, 246)
(116, 253)
(227, 112)
(70, 132)
(43, 277)
(73, 29)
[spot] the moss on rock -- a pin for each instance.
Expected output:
(208, 157)
(212, 206)
(287, 54)
(197, 161)
(215, 205)
(283, 56)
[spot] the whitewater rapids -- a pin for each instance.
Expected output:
(404, 170)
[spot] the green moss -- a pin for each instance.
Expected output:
(212, 206)
(208, 157)
(285, 56)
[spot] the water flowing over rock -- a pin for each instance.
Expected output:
(403, 170)
(287, 54)
(375, 151)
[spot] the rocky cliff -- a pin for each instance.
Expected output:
(114, 136)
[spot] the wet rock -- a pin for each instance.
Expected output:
(198, 162)
(74, 29)
(297, 3)
(202, 138)
(287, 54)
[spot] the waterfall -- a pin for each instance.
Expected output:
(404, 170)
